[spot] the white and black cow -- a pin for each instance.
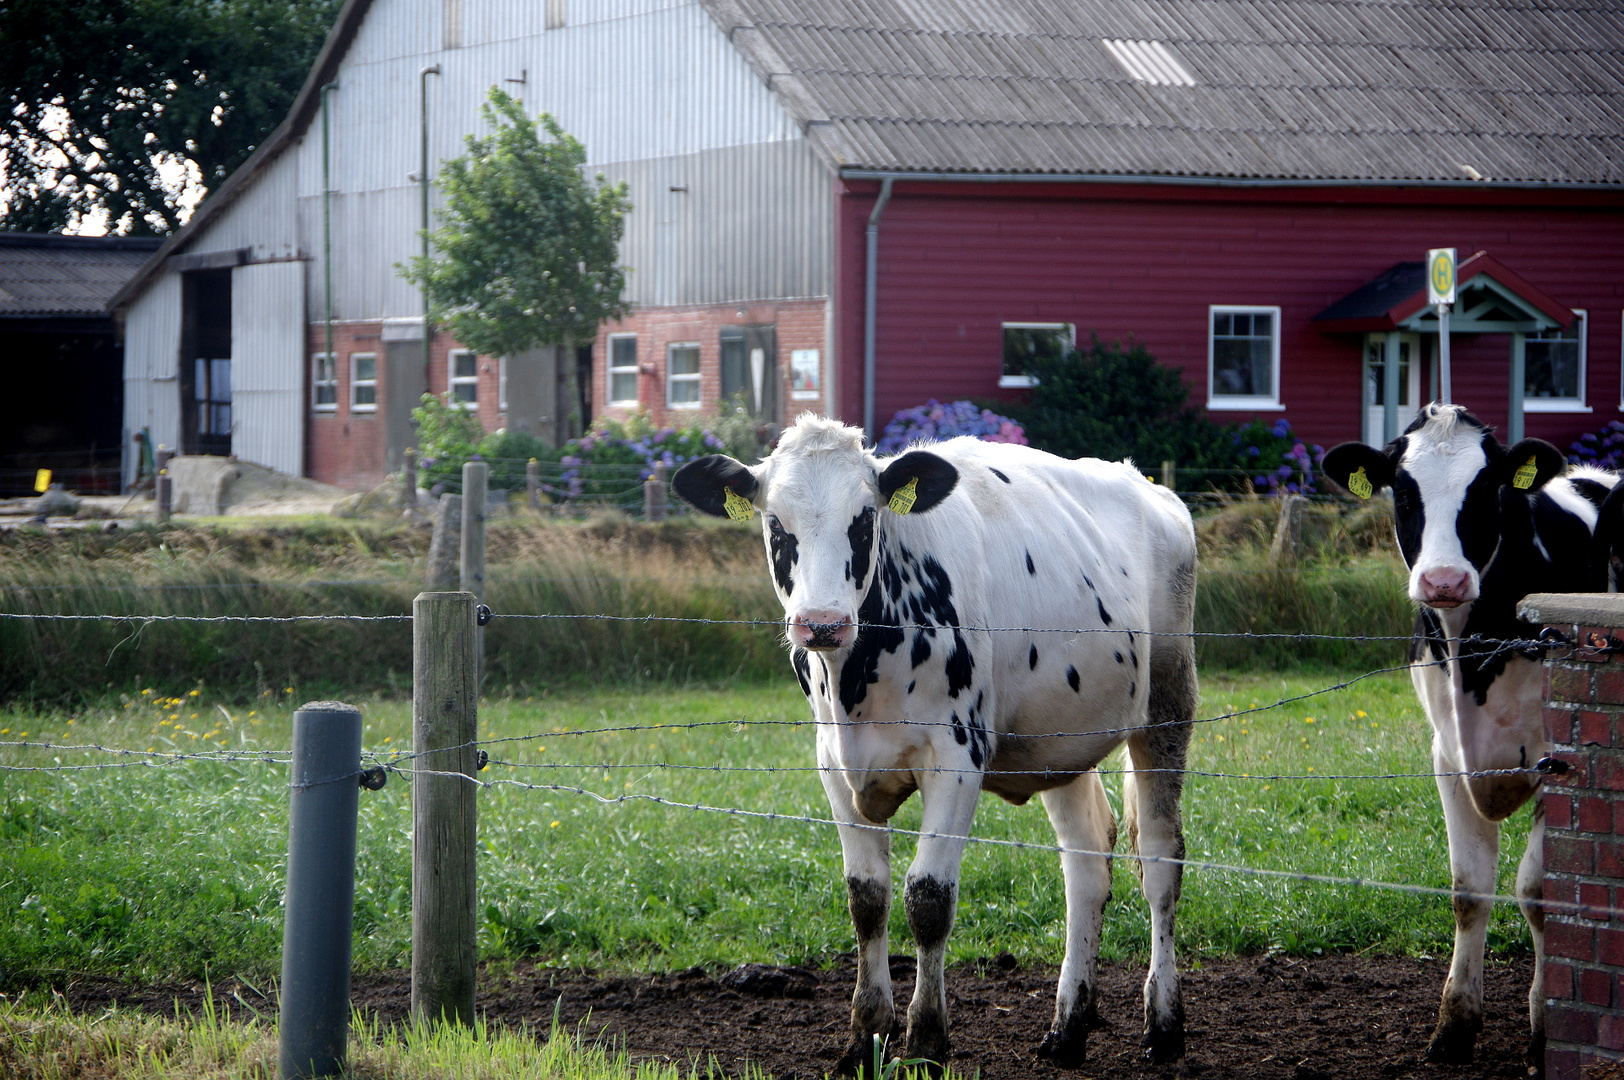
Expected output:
(1480, 527)
(890, 573)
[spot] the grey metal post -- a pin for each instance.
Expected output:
(1519, 384)
(532, 484)
(1443, 354)
(325, 792)
(654, 494)
(163, 494)
(409, 478)
(871, 287)
(1390, 384)
(445, 697)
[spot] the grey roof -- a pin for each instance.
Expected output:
(45, 275)
(1519, 91)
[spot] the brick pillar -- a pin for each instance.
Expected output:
(1584, 824)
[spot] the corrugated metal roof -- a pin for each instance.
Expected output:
(44, 275)
(1517, 91)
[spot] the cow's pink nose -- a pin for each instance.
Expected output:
(822, 630)
(1444, 586)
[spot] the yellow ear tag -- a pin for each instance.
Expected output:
(1523, 478)
(904, 497)
(1360, 484)
(737, 506)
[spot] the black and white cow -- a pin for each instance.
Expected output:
(892, 574)
(1480, 527)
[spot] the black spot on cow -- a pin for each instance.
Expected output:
(1105, 616)
(1118, 655)
(784, 554)
(1073, 679)
(1593, 491)
(877, 633)
(921, 649)
(960, 736)
(1088, 581)
(998, 474)
(911, 684)
(1032, 658)
(1132, 686)
(803, 670)
(861, 535)
(1030, 569)
(1133, 656)
(960, 666)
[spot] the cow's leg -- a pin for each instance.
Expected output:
(1530, 891)
(1474, 847)
(930, 897)
(1082, 822)
(866, 853)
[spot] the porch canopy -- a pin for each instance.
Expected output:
(1490, 298)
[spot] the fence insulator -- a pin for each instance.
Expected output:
(323, 800)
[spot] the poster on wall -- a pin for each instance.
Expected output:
(805, 375)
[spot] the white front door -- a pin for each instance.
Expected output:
(1375, 383)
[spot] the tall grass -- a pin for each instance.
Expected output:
(1346, 582)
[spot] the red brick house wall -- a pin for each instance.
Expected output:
(1146, 261)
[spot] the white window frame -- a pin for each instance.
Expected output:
(453, 380)
(317, 383)
(357, 383)
(672, 380)
(612, 371)
(1021, 381)
(1247, 402)
(1564, 405)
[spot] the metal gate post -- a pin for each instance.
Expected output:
(320, 907)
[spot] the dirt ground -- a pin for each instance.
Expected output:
(1344, 1017)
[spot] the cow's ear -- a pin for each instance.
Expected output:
(1531, 463)
(1360, 469)
(917, 481)
(718, 485)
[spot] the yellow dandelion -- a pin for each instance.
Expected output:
(193, 693)
(1360, 714)
(287, 689)
(253, 712)
(1308, 719)
(1220, 738)
(1311, 768)
(193, 716)
(22, 734)
(146, 692)
(388, 738)
(554, 825)
(5, 731)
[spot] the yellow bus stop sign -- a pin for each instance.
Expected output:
(1441, 276)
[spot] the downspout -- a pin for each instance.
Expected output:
(423, 186)
(327, 225)
(870, 291)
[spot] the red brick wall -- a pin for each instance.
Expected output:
(1584, 858)
(800, 323)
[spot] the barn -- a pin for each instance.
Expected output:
(852, 207)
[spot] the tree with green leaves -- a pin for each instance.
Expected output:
(114, 105)
(528, 246)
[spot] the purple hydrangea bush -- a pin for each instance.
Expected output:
(1603, 449)
(935, 422)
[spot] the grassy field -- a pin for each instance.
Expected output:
(176, 869)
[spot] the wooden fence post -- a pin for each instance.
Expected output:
(408, 480)
(445, 698)
(1169, 476)
(532, 484)
(475, 475)
(443, 560)
(654, 501)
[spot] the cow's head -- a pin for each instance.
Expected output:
(820, 495)
(1447, 473)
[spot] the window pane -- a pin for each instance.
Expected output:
(465, 368)
(684, 391)
(220, 380)
(326, 394)
(366, 368)
(623, 352)
(623, 386)
(1242, 354)
(465, 392)
(685, 361)
(1024, 344)
(366, 394)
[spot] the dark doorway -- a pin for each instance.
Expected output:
(205, 367)
(749, 369)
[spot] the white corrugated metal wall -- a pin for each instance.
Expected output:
(267, 364)
(151, 367)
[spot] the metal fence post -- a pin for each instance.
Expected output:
(654, 494)
(445, 696)
(325, 792)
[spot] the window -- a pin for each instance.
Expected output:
(1554, 369)
(1026, 342)
(682, 376)
(464, 369)
(323, 382)
(1243, 358)
(623, 369)
(363, 382)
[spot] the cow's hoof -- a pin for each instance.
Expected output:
(1163, 1045)
(860, 1057)
(1452, 1042)
(1066, 1048)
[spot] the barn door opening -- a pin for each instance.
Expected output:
(749, 370)
(205, 364)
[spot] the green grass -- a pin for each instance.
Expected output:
(177, 870)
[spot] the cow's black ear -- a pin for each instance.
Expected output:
(706, 482)
(917, 481)
(1360, 469)
(1531, 463)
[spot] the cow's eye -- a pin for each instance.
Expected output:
(773, 524)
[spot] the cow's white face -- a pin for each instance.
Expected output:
(820, 496)
(1447, 472)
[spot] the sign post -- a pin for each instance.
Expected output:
(1441, 292)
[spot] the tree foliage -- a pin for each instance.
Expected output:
(102, 95)
(528, 247)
